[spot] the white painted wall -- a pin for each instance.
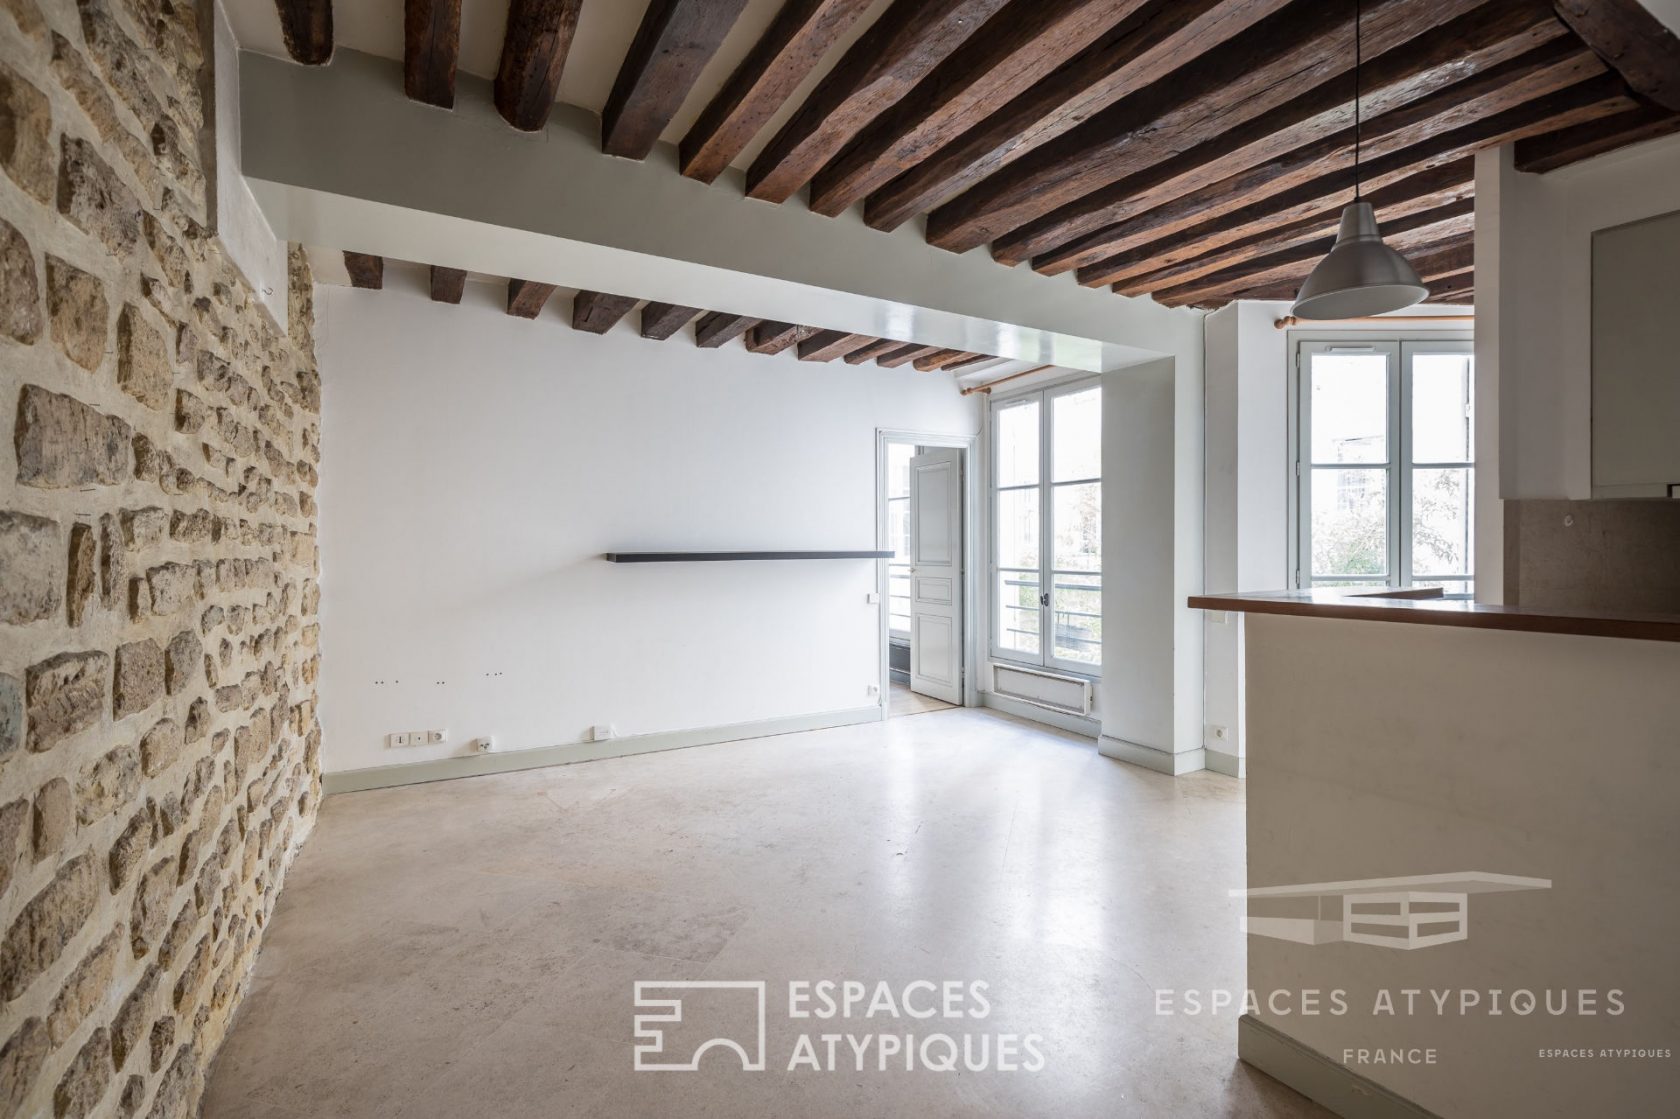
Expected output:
(475, 468)
(250, 242)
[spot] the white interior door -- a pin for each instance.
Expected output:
(936, 576)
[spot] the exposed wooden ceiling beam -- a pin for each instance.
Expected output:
(826, 345)
(904, 354)
(979, 78)
(965, 360)
(899, 49)
(1457, 288)
(872, 351)
(715, 328)
(661, 320)
(307, 27)
(366, 270)
(937, 359)
(1444, 268)
(534, 46)
(1635, 43)
(1571, 145)
(1257, 71)
(1308, 180)
(674, 42)
(448, 284)
(1188, 255)
(774, 337)
(1131, 57)
(597, 312)
(794, 44)
(1479, 41)
(525, 298)
(431, 46)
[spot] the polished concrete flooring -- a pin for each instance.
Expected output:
(902, 701)
(470, 948)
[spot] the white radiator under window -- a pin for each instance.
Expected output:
(1070, 694)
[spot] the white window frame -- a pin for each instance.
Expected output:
(901, 636)
(1402, 350)
(1046, 657)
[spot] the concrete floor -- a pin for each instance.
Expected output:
(902, 701)
(469, 947)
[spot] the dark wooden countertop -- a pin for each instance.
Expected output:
(1430, 609)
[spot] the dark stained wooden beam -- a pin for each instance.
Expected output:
(789, 50)
(979, 78)
(1293, 263)
(1457, 288)
(1130, 58)
(597, 313)
(928, 362)
(673, 44)
(534, 46)
(774, 337)
(1258, 71)
(715, 328)
(898, 50)
(872, 351)
(826, 345)
(966, 360)
(307, 27)
(448, 284)
(1412, 200)
(431, 46)
(905, 354)
(1511, 104)
(1433, 62)
(526, 298)
(661, 320)
(1633, 41)
(1445, 268)
(366, 270)
(1571, 145)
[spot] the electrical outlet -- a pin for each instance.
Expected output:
(872, 689)
(601, 732)
(483, 745)
(1218, 732)
(399, 739)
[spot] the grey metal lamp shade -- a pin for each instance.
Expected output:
(1361, 276)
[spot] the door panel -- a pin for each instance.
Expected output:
(936, 574)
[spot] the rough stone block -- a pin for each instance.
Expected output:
(140, 677)
(46, 924)
(198, 721)
(160, 746)
(129, 1026)
(11, 714)
(144, 527)
(94, 199)
(29, 551)
(20, 287)
(108, 784)
(84, 989)
(21, 1059)
(113, 562)
(81, 318)
(26, 134)
(151, 907)
(172, 586)
(183, 660)
(53, 818)
(130, 849)
(191, 528)
(64, 444)
(14, 832)
(83, 572)
(133, 1096)
(65, 694)
(163, 1039)
(86, 1079)
(175, 1087)
(143, 367)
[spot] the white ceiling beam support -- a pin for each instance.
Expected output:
(337, 156)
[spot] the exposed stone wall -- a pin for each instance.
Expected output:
(158, 738)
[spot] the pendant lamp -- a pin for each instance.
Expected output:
(1361, 276)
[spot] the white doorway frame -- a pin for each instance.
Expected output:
(969, 446)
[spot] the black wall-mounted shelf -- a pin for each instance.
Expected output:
(712, 557)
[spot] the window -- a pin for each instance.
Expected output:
(1385, 465)
(898, 539)
(1047, 528)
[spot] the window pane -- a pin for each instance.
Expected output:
(898, 527)
(1442, 522)
(1442, 420)
(1349, 408)
(898, 598)
(1017, 528)
(1076, 435)
(1076, 601)
(1349, 521)
(1017, 444)
(898, 469)
(1076, 520)
(1018, 611)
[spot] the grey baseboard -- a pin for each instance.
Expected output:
(509, 761)
(1061, 720)
(1228, 764)
(1319, 1078)
(1161, 761)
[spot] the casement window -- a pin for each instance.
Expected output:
(1046, 512)
(898, 538)
(1385, 464)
